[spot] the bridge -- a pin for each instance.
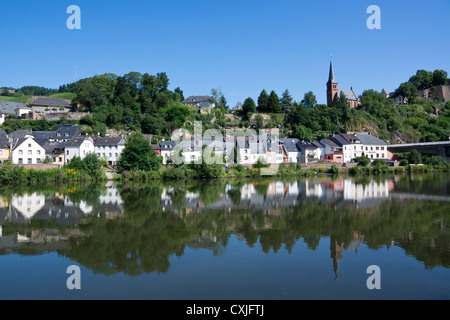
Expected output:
(440, 148)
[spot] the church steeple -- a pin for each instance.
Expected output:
(331, 78)
(332, 87)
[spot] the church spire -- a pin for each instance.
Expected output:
(331, 78)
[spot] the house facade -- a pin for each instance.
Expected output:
(292, 152)
(332, 151)
(27, 151)
(79, 147)
(374, 148)
(352, 146)
(109, 148)
(4, 148)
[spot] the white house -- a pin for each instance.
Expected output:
(352, 146)
(291, 149)
(27, 151)
(79, 147)
(374, 148)
(109, 148)
(167, 150)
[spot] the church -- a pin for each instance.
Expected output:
(333, 93)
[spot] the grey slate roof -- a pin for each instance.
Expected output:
(8, 107)
(50, 146)
(109, 141)
(168, 145)
(195, 99)
(370, 140)
(67, 131)
(331, 143)
(43, 134)
(349, 94)
(76, 142)
(50, 102)
(4, 142)
(20, 134)
(290, 145)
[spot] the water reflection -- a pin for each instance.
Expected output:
(135, 228)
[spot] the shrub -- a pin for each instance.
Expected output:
(404, 162)
(333, 170)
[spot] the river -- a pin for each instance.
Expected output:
(269, 239)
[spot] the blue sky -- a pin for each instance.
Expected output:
(240, 47)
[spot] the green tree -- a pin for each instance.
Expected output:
(414, 157)
(138, 155)
(439, 77)
(309, 100)
(92, 164)
(407, 90)
(263, 101)
(274, 103)
(422, 79)
(286, 101)
(247, 108)
(259, 122)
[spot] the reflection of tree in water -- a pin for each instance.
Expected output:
(120, 246)
(144, 239)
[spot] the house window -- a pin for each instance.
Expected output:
(20, 152)
(382, 148)
(371, 148)
(382, 155)
(30, 161)
(54, 159)
(377, 148)
(29, 145)
(29, 152)
(110, 155)
(1, 152)
(117, 155)
(67, 152)
(20, 160)
(60, 159)
(38, 160)
(39, 152)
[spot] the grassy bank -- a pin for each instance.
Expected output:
(18, 174)
(238, 171)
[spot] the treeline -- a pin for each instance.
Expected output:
(27, 90)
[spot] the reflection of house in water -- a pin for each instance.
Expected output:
(28, 204)
(59, 207)
(367, 194)
(337, 193)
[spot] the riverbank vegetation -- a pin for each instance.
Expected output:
(144, 102)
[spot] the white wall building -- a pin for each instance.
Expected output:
(27, 151)
(109, 148)
(79, 147)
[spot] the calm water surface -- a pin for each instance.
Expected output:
(229, 239)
